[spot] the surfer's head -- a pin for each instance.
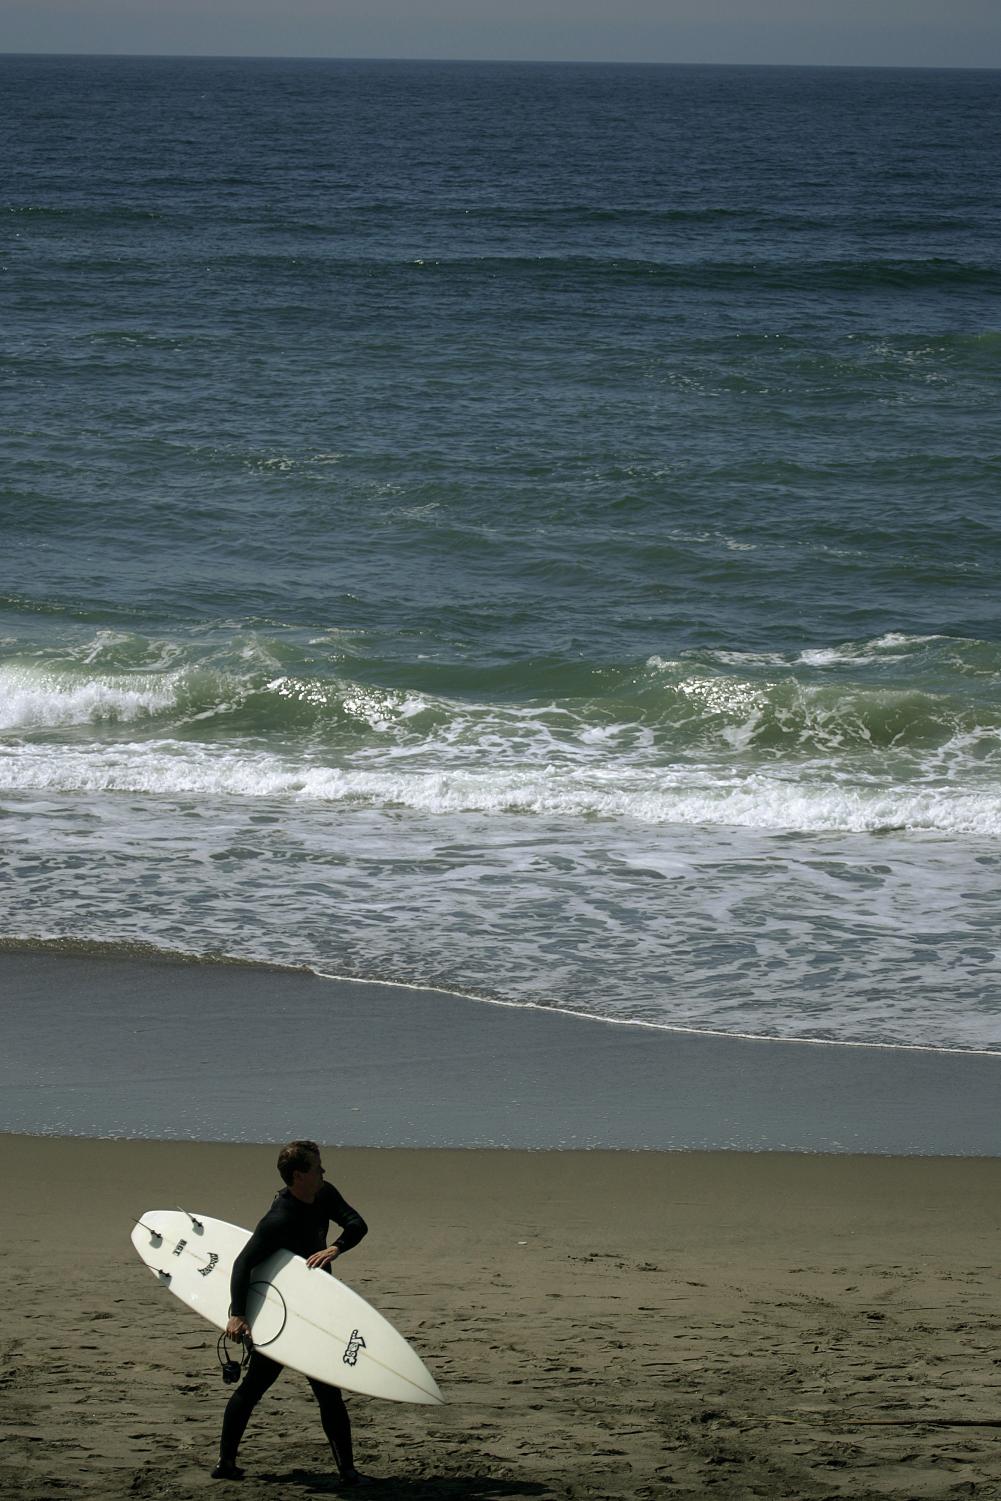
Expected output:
(299, 1157)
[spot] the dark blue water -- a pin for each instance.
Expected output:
(526, 529)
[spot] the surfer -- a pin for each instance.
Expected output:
(297, 1221)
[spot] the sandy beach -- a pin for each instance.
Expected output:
(603, 1325)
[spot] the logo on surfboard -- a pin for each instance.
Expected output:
(354, 1344)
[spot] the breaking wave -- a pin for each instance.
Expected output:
(700, 795)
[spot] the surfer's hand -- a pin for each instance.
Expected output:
(237, 1328)
(323, 1258)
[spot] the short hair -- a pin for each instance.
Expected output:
(295, 1158)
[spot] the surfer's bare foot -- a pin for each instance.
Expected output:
(226, 1471)
(354, 1477)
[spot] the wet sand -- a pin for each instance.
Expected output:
(142, 1046)
(604, 1325)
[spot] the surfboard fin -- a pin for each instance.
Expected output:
(196, 1223)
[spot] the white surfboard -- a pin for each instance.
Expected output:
(300, 1316)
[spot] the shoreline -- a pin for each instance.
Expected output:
(138, 1047)
(138, 953)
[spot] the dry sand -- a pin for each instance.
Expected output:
(603, 1324)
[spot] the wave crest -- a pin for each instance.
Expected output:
(701, 795)
(907, 704)
(33, 698)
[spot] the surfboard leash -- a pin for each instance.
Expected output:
(232, 1369)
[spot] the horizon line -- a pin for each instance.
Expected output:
(508, 62)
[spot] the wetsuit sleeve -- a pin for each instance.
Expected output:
(353, 1227)
(266, 1239)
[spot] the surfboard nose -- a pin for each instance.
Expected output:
(430, 1392)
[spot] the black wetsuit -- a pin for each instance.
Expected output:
(289, 1225)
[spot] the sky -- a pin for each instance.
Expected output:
(892, 33)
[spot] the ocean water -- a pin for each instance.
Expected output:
(526, 530)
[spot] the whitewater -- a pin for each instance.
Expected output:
(794, 845)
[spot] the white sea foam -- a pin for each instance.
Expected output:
(695, 795)
(31, 698)
(892, 646)
(843, 936)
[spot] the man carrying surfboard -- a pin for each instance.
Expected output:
(297, 1221)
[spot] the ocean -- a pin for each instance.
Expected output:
(529, 531)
